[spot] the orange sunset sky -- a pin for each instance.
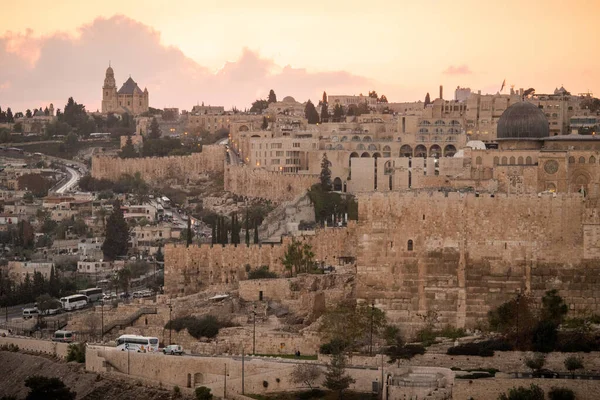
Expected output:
(232, 52)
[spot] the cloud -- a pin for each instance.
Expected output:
(35, 71)
(459, 70)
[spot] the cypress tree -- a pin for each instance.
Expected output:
(247, 226)
(214, 233)
(188, 239)
(116, 234)
(255, 232)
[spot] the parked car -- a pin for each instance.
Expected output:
(30, 313)
(173, 349)
(63, 336)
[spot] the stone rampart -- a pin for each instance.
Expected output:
(59, 350)
(161, 169)
(269, 185)
(190, 269)
(458, 255)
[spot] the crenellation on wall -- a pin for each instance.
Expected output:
(161, 169)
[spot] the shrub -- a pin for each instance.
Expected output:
(261, 273)
(561, 394)
(452, 333)
(573, 363)
(475, 375)
(207, 326)
(534, 392)
(265, 384)
(203, 393)
(176, 392)
(545, 336)
(536, 362)
(471, 349)
(334, 346)
(42, 387)
(426, 336)
(76, 352)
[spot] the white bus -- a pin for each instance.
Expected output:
(93, 294)
(74, 302)
(140, 344)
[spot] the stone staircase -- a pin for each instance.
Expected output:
(285, 218)
(128, 320)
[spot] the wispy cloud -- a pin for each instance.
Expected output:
(458, 70)
(48, 69)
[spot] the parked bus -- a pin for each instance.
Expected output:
(141, 344)
(93, 294)
(74, 302)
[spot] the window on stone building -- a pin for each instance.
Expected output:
(571, 160)
(478, 161)
(528, 161)
(512, 161)
(592, 160)
(581, 160)
(410, 245)
(496, 160)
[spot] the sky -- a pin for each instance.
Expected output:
(231, 53)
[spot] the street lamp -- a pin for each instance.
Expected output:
(170, 327)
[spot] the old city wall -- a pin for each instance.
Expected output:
(47, 347)
(161, 169)
(190, 269)
(269, 185)
(458, 255)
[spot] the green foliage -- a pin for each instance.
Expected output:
(155, 132)
(396, 349)
(338, 113)
(325, 176)
(561, 394)
(35, 183)
(554, 308)
(261, 273)
(334, 346)
(328, 204)
(310, 112)
(480, 349)
(573, 363)
(475, 375)
(306, 374)
(545, 336)
(272, 97)
(128, 151)
(298, 257)
(258, 106)
(352, 323)
(536, 362)
(43, 388)
(336, 378)
(76, 352)
(46, 302)
(426, 336)
(207, 326)
(534, 392)
(116, 234)
(203, 393)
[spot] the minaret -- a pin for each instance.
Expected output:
(109, 92)
(146, 102)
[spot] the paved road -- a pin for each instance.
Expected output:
(73, 180)
(13, 312)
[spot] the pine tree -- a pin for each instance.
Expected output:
(272, 97)
(116, 234)
(265, 124)
(325, 176)
(28, 113)
(247, 227)
(256, 232)
(190, 234)
(310, 112)
(336, 378)
(154, 129)
(9, 115)
(427, 100)
(324, 109)
(128, 151)
(214, 233)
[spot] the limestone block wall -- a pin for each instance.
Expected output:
(190, 269)
(37, 346)
(459, 255)
(269, 185)
(161, 169)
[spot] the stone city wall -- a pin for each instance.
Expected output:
(59, 350)
(191, 269)
(459, 255)
(161, 169)
(269, 185)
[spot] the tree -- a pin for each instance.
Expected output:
(325, 176)
(43, 388)
(561, 394)
(573, 363)
(536, 362)
(373, 94)
(258, 106)
(427, 100)
(298, 257)
(155, 132)
(247, 227)
(34, 183)
(338, 113)
(190, 233)
(9, 116)
(534, 392)
(382, 99)
(324, 109)
(46, 302)
(528, 92)
(123, 278)
(128, 151)
(71, 140)
(28, 113)
(203, 393)
(265, 124)
(116, 234)
(336, 378)
(256, 239)
(159, 255)
(306, 374)
(554, 308)
(272, 97)
(214, 234)
(310, 112)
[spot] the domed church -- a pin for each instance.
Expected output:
(128, 99)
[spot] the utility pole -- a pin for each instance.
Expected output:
(382, 384)
(225, 384)
(243, 355)
(102, 314)
(170, 324)
(371, 335)
(254, 331)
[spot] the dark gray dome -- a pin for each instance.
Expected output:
(522, 121)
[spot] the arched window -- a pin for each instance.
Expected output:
(496, 160)
(592, 160)
(334, 139)
(425, 123)
(423, 130)
(360, 147)
(372, 147)
(528, 161)
(581, 160)
(504, 161)
(512, 161)
(367, 139)
(344, 139)
(440, 122)
(571, 160)
(454, 122)
(478, 160)
(409, 246)
(520, 161)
